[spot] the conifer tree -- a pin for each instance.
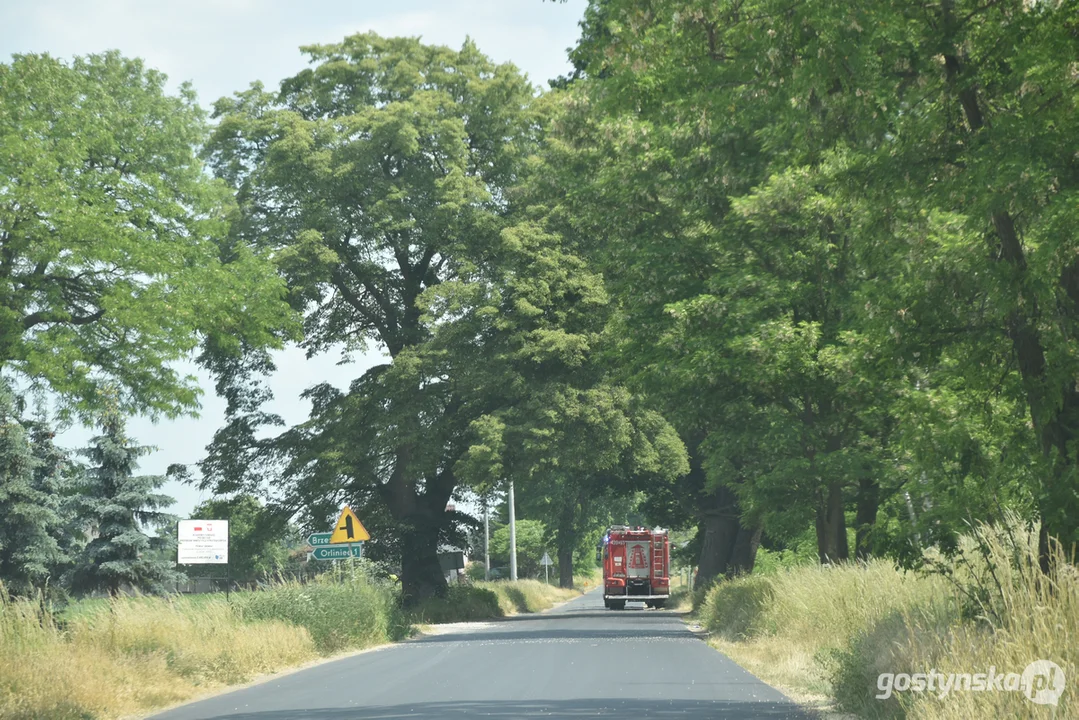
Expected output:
(57, 477)
(119, 505)
(29, 551)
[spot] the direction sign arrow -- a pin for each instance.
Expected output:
(336, 553)
(316, 539)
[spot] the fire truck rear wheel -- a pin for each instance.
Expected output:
(618, 605)
(658, 604)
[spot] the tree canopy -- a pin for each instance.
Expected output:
(761, 271)
(111, 266)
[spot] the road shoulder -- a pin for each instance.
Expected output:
(815, 705)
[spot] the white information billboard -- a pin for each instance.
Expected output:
(202, 542)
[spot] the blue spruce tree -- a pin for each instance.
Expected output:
(118, 506)
(30, 554)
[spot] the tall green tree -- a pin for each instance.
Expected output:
(927, 144)
(120, 506)
(367, 175)
(532, 538)
(740, 294)
(58, 477)
(611, 187)
(111, 257)
(527, 337)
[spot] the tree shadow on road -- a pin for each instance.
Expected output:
(550, 710)
(636, 615)
(560, 634)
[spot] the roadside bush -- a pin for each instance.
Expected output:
(826, 634)
(733, 610)
(340, 611)
(790, 627)
(587, 578)
(526, 596)
(204, 642)
(461, 604)
(1019, 615)
(475, 571)
(116, 657)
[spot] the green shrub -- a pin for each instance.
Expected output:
(527, 596)
(734, 609)
(339, 611)
(461, 604)
(854, 669)
(475, 571)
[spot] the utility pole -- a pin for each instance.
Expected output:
(486, 542)
(513, 538)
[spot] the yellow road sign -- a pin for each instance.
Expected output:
(348, 529)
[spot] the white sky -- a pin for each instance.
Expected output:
(221, 46)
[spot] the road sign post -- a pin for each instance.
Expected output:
(546, 562)
(344, 542)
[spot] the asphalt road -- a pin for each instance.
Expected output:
(577, 661)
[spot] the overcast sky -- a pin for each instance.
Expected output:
(221, 46)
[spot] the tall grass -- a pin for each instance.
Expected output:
(787, 626)
(487, 600)
(527, 596)
(136, 654)
(1004, 613)
(825, 634)
(340, 611)
(461, 604)
(129, 655)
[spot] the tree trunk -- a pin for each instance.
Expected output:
(420, 517)
(719, 527)
(832, 527)
(565, 566)
(421, 573)
(570, 516)
(1054, 408)
(865, 516)
(744, 554)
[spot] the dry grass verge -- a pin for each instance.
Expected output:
(130, 655)
(527, 596)
(824, 635)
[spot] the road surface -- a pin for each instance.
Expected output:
(577, 661)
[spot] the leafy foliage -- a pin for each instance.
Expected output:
(260, 537)
(112, 266)
(532, 542)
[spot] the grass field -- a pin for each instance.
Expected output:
(826, 634)
(123, 656)
(129, 655)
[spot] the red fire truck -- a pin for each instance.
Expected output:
(636, 567)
